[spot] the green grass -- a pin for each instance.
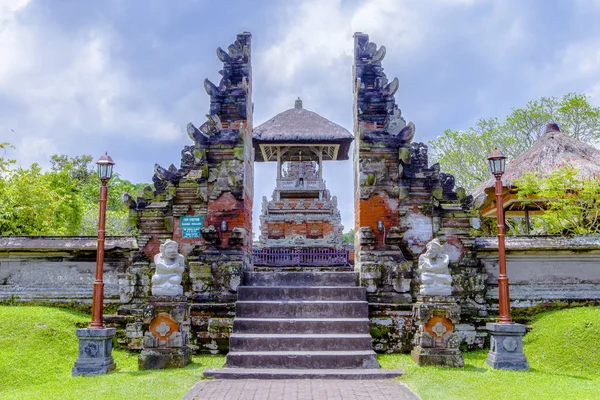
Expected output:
(563, 350)
(39, 348)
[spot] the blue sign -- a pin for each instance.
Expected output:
(190, 226)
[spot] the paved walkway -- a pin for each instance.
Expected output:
(299, 389)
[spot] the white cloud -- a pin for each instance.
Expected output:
(70, 88)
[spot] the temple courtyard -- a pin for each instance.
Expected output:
(416, 304)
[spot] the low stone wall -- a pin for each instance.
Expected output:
(60, 269)
(543, 268)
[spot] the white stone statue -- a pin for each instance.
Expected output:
(170, 265)
(433, 268)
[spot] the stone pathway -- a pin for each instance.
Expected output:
(298, 389)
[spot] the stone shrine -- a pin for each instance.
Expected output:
(302, 220)
(436, 312)
(301, 212)
(166, 320)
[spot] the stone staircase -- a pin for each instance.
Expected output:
(301, 325)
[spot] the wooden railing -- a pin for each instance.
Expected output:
(291, 257)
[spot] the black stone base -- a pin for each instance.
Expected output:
(438, 357)
(95, 352)
(164, 358)
(506, 347)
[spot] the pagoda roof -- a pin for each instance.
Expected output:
(297, 128)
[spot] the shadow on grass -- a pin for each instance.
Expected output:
(562, 375)
(473, 368)
(191, 366)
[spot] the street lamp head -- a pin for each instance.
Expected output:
(105, 166)
(497, 162)
(380, 226)
(223, 226)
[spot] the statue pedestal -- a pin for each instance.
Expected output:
(166, 326)
(506, 347)
(95, 352)
(435, 341)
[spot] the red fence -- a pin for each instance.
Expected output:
(285, 257)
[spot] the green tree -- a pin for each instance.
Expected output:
(464, 153)
(62, 201)
(348, 237)
(572, 205)
(37, 203)
(5, 163)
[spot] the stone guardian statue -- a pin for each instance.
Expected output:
(433, 269)
(170, 265)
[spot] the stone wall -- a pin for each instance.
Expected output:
(542, 269)
(61, 269)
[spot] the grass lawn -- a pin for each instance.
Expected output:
(39, 348)
(563, 351)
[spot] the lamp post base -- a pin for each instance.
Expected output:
(95, 352)
(506, 347)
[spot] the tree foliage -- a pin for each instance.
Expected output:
(62, 201)
(464, 153)
(348, 237)
(572, 205)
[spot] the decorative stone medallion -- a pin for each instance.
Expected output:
(91, 349)
(510, 344)
(438, 326)
(163, 326)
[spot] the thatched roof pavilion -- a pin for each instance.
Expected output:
(298, 134)
(550, 152)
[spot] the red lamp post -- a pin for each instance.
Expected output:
(105, 166)
(497, 162)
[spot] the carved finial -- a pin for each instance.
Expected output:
(298, 103)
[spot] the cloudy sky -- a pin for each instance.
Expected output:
(125, 76)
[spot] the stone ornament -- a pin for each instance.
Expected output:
(169, 268)
(510, 344)
(433, 270)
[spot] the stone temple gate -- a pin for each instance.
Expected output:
(205, 204)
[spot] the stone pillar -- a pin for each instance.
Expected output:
(506, 347)
(166, 329)
(206, 204)
(95, 352)
(414, 201)
(436, 342)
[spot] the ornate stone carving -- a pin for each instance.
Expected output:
(237, 237)
(376, 106)
(433, 270)
(210, 235)
(169, 268)
(418, 155)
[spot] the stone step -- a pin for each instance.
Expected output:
(302, 293)
(303, 359)
(239, 342)
(300, 279)
(301, 309)
(301, 325)
(263, 373)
